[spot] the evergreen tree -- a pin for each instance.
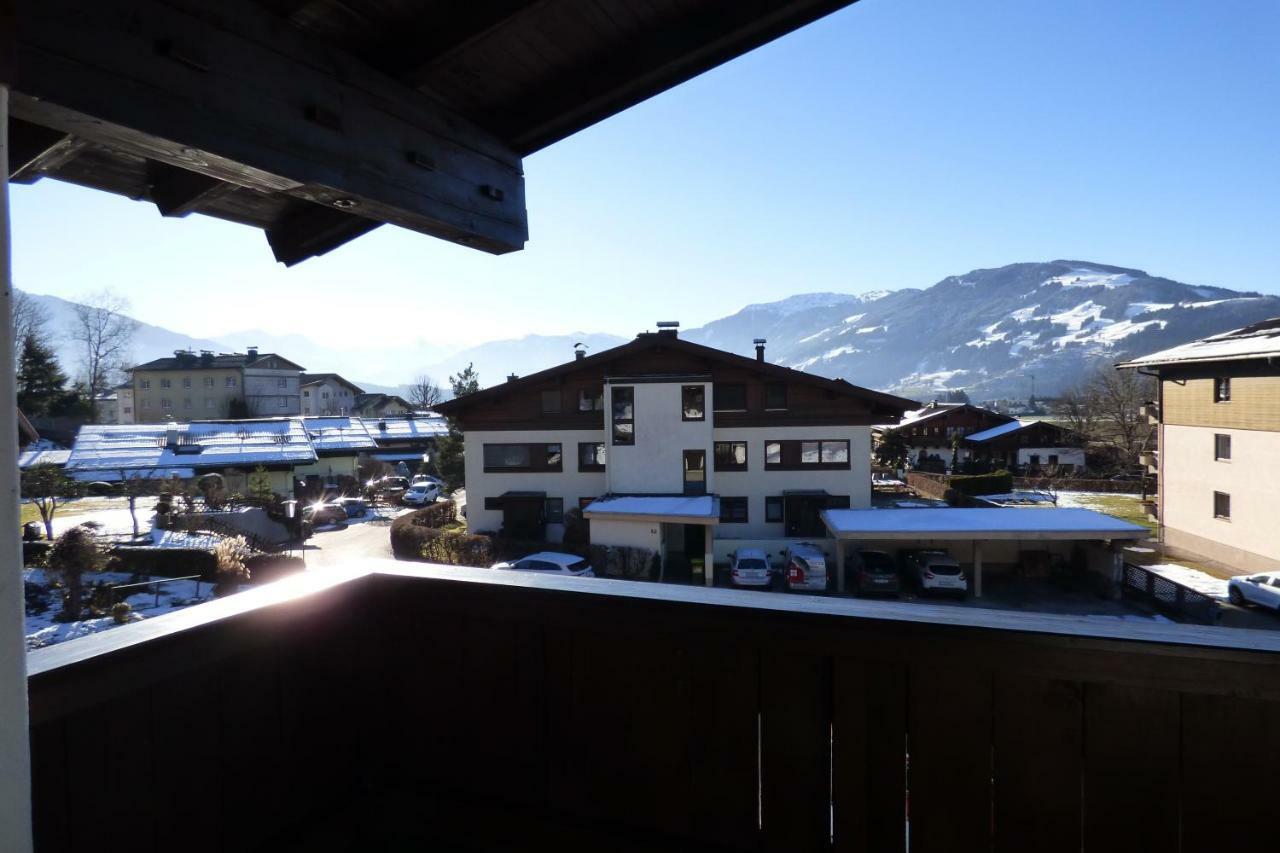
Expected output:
(41, 382)
(450, 461)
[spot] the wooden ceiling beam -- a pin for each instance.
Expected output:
(35, 150)
(178, 192)
(231, 92)
(308, 230)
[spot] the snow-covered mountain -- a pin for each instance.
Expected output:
(988, 331)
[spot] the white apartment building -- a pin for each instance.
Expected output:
(1218, 463)
(671, 446)
(328, 394)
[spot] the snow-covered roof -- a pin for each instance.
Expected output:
(338, 433)
(392, 429)
(997, 523)
(1003, 429)
(120, 447)
(693, 508)
(1256, 341)
(89, 475)
(43, 452)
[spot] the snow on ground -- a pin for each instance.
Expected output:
(1024, 315)
(1200, 581)
(987, 339)
(814, 336)
(1076, 318)
(1082, 277)
(1118, 331)
(852, 318)
(42, 630)
(1136, 308)
(1023, 341)
(845, 350)
(1214, 302)
(866, 330)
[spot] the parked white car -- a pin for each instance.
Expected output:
(750, 567)
(935, 571)
(805, 567)
(550, 562)
(427, 478)
(421, 494)
(1262, 590)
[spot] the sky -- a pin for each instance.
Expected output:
(889, 145)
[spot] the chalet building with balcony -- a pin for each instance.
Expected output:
(670, 446)
(1029, 447)
(931, 431)
(191, 386)
(1218, 439)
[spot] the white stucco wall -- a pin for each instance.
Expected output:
(630, 534)
(655, 463)
(329, 466)
(756, 483)
(569, 484)
(1066, 455)
(1190, 475)
(262, 392)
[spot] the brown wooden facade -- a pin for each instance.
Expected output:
(551, 399)
(939, 430)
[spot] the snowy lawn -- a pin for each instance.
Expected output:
(42, 630)
(1123, 506)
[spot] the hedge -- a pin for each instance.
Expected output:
(164, 562)
(999, 483)
(409, 531)
(265, 568)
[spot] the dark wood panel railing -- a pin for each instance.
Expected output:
(405, 708)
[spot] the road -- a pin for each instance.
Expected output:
(335, 549)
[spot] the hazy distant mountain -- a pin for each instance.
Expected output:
(988, 331)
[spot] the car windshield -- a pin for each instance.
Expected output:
(578, 566)
(752, 563)
(940, 568)
(876, 562)
(537, 566)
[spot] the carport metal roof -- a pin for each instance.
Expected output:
(978, 524)
(699, 509)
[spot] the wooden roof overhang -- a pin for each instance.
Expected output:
(319, 120)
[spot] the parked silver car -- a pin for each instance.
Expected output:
(750, 567)
(550, 562)
(1262, 590)
(935, 571)
(805, 567)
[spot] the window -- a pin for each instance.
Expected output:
(128, 410)
(493, 504)
(591, 400)
(730, 398)
(231, 382)
(551, 402)
(522, 457)
(166, 403)
(1221, 505)
(773, 509)
(591, 456)
(730, 455)
(145, 384)
(553, 511)
(1222, 389)
(693, 406)
(284, 402)
(186, 382)
(284, 383)
(695, 472)
(733, 510)
(1221, 447)
(624, 415)
(166, 383)
(775, 396)
(819, 454)
(208, 382)
(146, 404)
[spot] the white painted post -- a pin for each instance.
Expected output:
(15, 759)
(839, 564)
(977, 569)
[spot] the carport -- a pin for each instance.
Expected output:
(978, 526)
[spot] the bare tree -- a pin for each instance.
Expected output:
(29, 318)
(1079, 408)
(424, 393)
(103, 332)
(1118, 396)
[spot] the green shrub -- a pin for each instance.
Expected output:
(266, 568)
(456, 549)
(998, 483)
(121, 612)
(409, 531)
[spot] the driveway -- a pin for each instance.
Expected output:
(362, 539)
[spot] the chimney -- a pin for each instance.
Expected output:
(579, 355)
(171, 436)
(206, 358)
(759, 342)
(669, 328)
(512, 377)
(252, 353)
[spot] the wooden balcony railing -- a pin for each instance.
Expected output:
(423, 708)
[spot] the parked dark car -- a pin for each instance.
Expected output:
(874, 572)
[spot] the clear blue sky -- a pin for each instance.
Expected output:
(889, 145)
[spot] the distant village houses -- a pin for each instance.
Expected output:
(209, 385)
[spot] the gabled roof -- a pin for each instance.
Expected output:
(650, 340)
(332, 432)
(221, 361)
(1259, 340)
(931, 412)
(404, 428)
(113, 448)
(316, 378)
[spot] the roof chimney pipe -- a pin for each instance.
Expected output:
(579, 351)
(759, 342)
(252, 353)
(669, 328)
(512, 377)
